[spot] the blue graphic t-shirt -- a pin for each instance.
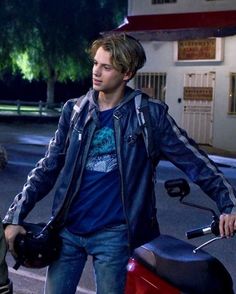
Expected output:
(98, 203)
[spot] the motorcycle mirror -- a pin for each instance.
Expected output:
(180, 188)
(177, 188)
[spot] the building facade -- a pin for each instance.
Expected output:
(191, 63)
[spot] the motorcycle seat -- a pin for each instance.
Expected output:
(174, 261)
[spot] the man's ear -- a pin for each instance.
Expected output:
(127, 76)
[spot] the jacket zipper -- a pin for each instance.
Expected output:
(83, 161)
(118, 152)
(61, 210)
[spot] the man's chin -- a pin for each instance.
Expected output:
(97, 88)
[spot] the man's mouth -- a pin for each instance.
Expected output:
(96, 82)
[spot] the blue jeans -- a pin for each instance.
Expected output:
(110, 252)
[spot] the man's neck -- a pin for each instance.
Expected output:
(109, 100)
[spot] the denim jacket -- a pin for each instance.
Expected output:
(136, 172)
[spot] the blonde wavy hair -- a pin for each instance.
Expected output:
(127, 54)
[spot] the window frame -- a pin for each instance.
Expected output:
(232, 94)
(152, 83)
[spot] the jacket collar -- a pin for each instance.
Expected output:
(92, 96)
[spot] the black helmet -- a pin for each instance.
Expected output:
(38, 248)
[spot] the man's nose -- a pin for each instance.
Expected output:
(96, 71)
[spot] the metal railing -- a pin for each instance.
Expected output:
(39, 108)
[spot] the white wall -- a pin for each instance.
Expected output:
(140, 7)
(225, 124)
(160, 59)
(160, 56)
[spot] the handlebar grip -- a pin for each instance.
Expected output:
(198, 232)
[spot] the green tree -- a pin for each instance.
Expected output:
(12, 33)
(5, 59)
(49, 38)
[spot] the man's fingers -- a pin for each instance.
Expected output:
(231, 225)
(11, 231)
(227, 225)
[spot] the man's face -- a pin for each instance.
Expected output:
(105, 77)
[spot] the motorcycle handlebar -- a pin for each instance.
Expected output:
(213, 228)
(198, 232)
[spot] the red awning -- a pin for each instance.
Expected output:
(181, 25)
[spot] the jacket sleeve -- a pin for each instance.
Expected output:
(42, 178)
(183, 152)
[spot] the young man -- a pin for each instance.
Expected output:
(5, 283)
(108, 176)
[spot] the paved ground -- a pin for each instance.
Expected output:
(219, 152)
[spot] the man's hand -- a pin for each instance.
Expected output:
(11, 232)
(227, 225)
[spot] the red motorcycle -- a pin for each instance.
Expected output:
(168, 265)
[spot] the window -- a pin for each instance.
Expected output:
(232, 94)
(163, 1)
(153, 84)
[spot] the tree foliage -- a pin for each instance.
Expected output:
(47, 40)
(4, 40)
